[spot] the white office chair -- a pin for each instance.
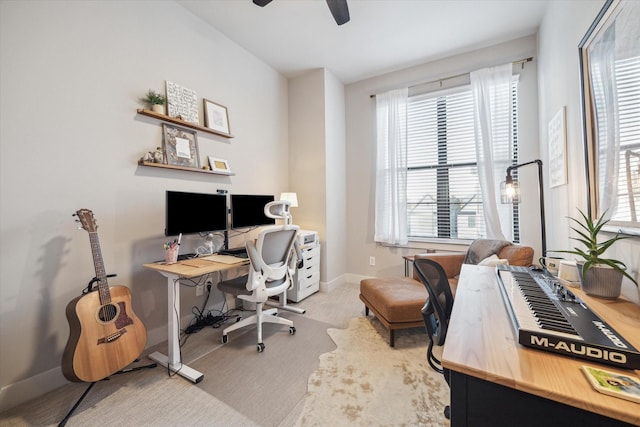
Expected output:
(270, 274)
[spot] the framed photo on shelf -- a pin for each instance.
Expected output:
(216, 117)
(180, 146)
(219, 165)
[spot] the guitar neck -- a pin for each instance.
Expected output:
(103, 286)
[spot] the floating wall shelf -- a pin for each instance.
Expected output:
(181, 122)
(183, 168)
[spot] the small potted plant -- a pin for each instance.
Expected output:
(599, 276)
(155, 101)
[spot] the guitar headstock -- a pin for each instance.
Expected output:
(87, 220)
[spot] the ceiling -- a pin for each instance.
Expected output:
(295, 36)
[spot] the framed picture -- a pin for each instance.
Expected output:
(180, 146)
(219, 165)
(557, 149)
(182, 102)
(216, 117)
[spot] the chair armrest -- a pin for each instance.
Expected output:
(450, 262)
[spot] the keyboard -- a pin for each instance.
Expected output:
(547, 316)
(236, 252)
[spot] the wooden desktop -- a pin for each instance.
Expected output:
(497, 382)
(187, 269)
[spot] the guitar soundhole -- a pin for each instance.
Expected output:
(107, 313)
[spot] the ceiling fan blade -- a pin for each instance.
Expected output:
(339, 9)
(261, 3)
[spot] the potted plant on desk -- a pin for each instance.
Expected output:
(599, 276)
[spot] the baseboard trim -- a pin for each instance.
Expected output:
(17, 393)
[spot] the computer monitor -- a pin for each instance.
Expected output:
(247, 210)
(195, 213)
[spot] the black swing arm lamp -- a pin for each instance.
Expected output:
(510, 194)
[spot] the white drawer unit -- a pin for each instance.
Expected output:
(306, 281)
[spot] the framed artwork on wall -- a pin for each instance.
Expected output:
(182, 102)
(216, 117)
(180, 146)
(557, 149)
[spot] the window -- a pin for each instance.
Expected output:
(444, 199)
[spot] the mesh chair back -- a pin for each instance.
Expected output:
(275, 246)
(437, 311)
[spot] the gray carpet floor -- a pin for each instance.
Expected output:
(151, 397)
(279, 387)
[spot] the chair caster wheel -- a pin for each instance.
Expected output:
(292, 330)
(447, 412)
(260, 347)
(225, 338)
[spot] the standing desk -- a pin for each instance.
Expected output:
(497, 382)
(187, 269)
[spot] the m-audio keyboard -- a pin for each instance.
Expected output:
(549, 317)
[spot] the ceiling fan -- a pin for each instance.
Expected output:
(339, 9)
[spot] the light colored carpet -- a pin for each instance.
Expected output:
(366, 382)
(362, 389)
(144, 398)
(266, 386)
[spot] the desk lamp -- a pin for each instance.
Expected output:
(510, 194)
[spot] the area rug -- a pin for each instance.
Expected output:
(367, 383)
(265, 386)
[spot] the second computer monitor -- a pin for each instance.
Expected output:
(247, 210)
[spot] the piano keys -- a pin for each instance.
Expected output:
(547, 316)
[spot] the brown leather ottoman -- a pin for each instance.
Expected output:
(396, 302)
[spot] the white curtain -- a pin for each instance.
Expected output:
(606, 123)
(491, 88)
(391, 168)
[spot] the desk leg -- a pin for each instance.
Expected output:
(172, 361)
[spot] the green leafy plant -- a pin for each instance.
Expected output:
(588, 230)
(153, 98)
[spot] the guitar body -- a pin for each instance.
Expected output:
(103, 339)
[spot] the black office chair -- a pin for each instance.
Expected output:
(436, 311)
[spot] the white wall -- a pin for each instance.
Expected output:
(360, 111)
(317, 165)
(71, 74)
(564, 25)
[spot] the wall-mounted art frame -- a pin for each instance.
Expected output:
(180, 146)
(182, 102)
(557, 149)
(219, 165)
(609, 71)
(216, 117)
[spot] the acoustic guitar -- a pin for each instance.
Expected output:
(105, 334)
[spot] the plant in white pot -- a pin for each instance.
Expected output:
(599, 276)
(154, 100)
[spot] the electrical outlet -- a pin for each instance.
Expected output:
(372, 260)
(199, 290)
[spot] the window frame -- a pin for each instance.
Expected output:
(440, 238)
